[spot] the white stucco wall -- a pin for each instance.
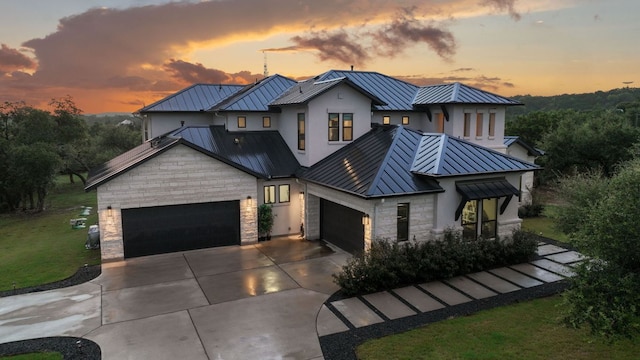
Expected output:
(287, 215)
(526, 185)
(253, 121)
(180, 175)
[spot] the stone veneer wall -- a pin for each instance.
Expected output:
(421, 217)
(180, 175)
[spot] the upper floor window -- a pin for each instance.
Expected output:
(301, 134)
(386, 120)
(242, 122)
(492, 124)
(334, 126)
(467, 125)
(479, 123)
(440, 123)
(266, 121)
(347, 127)
(405, 120)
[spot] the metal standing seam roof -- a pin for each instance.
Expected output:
(510, 140)
(441, 155)
(457, 93)
(374, 165)
(258, 96)
(305, 91)
(198, 97)
(397, 95)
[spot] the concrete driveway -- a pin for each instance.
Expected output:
(257, 301)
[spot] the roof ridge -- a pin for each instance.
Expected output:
(483, 148)
(444, 140)
(374, 183)
(455, 91)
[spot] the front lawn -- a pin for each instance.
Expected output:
(39, 248)
(529, 330)
(35, 356)
(544, 225)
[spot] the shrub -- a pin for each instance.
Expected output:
(389, 265)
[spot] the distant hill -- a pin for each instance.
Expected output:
(599, 100)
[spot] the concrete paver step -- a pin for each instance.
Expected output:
(389, 305)
(328, 323)
(566, 257)
(516, 277)
(554, 267)
(418, 298)
(491, 281)
(470, 287)
(547, 249)
(537, 272)
(445, 293)
(357, 312)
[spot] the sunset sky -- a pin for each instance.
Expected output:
(118, 55)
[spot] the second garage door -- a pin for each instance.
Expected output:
(342, 226)
(164, 229)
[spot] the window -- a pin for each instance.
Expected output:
(480, 212)
(405, 120)
(242, 122)
(283, 193)
(403, 221)
(489, 218)
(266, 121)
(520, 189)
(386, 120)
(301, 131)
(334, 126)
(467, 125)
(492, 124)
(347, 127)
(145, 125)
(479, 120)
(270, 194)
(440, 123)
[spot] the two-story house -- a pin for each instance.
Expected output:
(350, 157)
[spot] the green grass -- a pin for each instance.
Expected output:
(526, 331)
(35, 356)
(544, 225)
(40, 248)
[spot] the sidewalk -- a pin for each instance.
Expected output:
(345, 323)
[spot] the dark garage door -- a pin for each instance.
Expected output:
(341, 226)
(164, 229)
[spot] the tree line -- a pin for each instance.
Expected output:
(36, 145)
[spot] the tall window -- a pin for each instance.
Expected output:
(405, 120)
(270, 194)
(470, 220)
(440, 123)
(283, 193)
(467, 125)
(334, 126)
(492, 124)
(301, 134)
(242, 122)
(489, 218)
(403, 221)
(386, 120)
(347, 127)
(266, 121)
(479, 123)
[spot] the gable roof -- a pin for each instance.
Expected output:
(376, 164)
(395, 94)
(263, 154)
(457, 93)
(510, 140)
(258, 96)
(441, 155)
(305, 91)
(198, 97)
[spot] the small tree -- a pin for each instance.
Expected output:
(604, 218)
(265, 220)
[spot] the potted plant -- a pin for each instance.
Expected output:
(265, 222)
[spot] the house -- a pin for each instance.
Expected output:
(518, 148)
(346, 156)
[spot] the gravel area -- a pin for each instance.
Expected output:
(71, 348)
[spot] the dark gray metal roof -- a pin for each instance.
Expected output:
(457, 93)
(486, 189)
(442, 155)
(128, 160)
(376, 164)
(304, 91)
(198, 97)
(258, 96)
(395, 94)
(510, 140)
(261, 153)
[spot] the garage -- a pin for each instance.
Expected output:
(165, 229)
(341, 226)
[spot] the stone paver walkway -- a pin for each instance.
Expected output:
(357, 312)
